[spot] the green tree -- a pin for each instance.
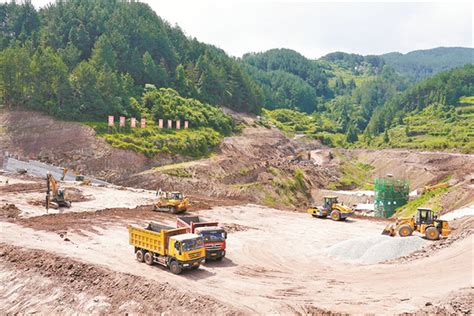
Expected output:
(351, 135)
(103, 53)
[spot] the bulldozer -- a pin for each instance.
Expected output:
(337, 211)
(55, 196)
(425, 222)
(174, 202)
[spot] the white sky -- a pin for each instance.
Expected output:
(317, 28)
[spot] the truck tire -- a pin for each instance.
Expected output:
(405, 231)
(335, 215)
(195, 267)
(149, 258)
(140, 256)
(174, 210)
(175, 268)
(432, 233)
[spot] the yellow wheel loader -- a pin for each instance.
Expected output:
(425, 222)
(174, 202)
(331, 208)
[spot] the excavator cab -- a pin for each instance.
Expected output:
(425, 216)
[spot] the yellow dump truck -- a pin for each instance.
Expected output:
(171, 247)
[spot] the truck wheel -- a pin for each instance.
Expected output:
(195, 267)
(405, 231)
(432, 233)
(335, 215)
(174, 210)
(149, 258)
(139, 255)
(175, 267)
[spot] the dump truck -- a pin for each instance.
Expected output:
(425, 222)
(214, 236)
(332, 208)
(174, 202)
(174, 248)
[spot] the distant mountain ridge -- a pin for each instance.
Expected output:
(420, 64)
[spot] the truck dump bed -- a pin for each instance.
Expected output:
(154, 238)
(193, 222)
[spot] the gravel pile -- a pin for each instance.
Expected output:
(375, 249)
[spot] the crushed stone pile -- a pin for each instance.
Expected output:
(375, 249)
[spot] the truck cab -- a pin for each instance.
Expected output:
(213, 235)
(187, 249)
(214, 238)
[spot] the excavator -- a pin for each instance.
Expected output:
(174, 202)
(78, 177)
(55, 196)
(331, 207)
(425, 222)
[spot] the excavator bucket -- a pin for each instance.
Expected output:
(389, 230)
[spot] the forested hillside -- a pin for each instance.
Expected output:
(85, 59)
(420, 64)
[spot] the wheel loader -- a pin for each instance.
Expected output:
(174, 202)
(425, 222)
(55, 196)
(331, 207)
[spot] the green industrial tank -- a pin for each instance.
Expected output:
(390, 194)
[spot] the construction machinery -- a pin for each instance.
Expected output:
(332, 208)
(78, 177)
(429, 188)
(55, 196)
(174, 202)
(171, 247)
(425, 222)
(213, 235)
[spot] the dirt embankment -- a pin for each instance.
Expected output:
(34, 135)
(254, 166)
(426, 168)
(63, 285)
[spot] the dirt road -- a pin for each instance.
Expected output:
(277, 263)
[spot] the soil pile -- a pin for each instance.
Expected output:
(9, 211)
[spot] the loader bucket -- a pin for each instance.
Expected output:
(389, 230)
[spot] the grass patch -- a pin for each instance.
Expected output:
(431, 199)
(354, 175)
(180, 173)
(196, 142)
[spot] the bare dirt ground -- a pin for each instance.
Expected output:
(276, 263)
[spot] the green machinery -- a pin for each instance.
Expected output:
(390, 194)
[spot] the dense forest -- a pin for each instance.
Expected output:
(86, 59)
(420, 64)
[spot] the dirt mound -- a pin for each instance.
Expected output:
(34, 135)
(9, 211)
(233, 227)
(95, 289)
(457, 303)
(23, 187)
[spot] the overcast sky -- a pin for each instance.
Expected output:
(317, 28)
